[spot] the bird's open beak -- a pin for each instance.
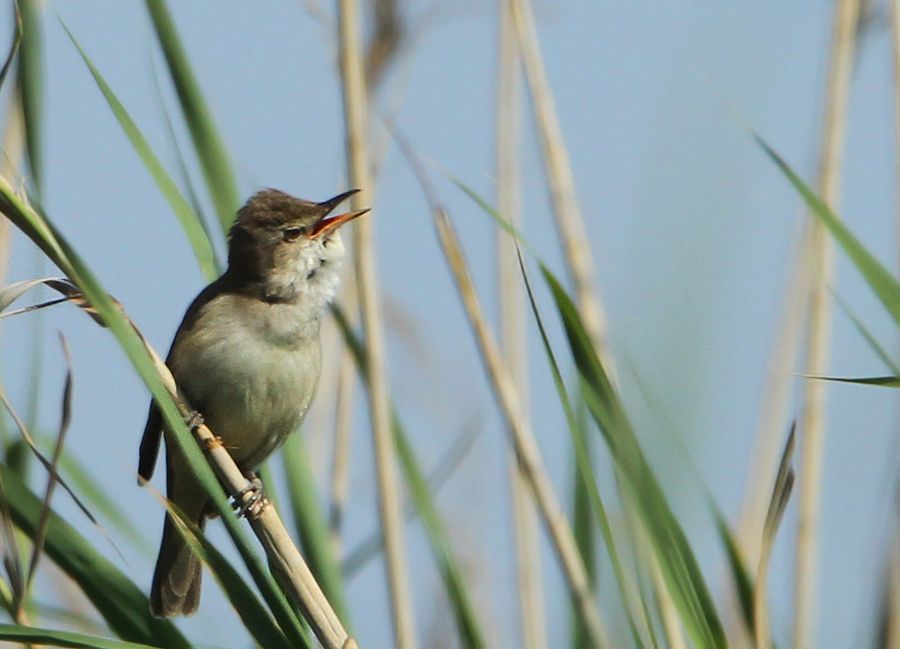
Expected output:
(325, 225)
(329, 205)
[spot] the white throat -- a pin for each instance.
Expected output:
(322, 272)
(310, 283)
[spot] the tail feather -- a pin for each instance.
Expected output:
(176, 580)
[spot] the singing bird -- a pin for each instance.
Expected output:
(247, 358)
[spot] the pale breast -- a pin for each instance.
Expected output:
(250, 368)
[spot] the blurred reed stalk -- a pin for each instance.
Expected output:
(774, 404)
(335, 418)
(891, 627)
(564, 202)
(895, 55)
(772, 420)
(522, 437)
(668, 613)
(319, 429)
(781, 494)
(670, 620)
(512, 325)
(30, 87)
(645, 560)
(30, 78)
(10, 164)
(386, 39)
(892, 598)
(339, 487)
(558, 170)
(821, 260)
(354, 96)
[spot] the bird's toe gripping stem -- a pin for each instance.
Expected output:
(252, 499)
(194, 420)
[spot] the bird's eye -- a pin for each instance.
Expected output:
(292, 234)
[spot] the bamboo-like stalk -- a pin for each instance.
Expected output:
(512, 329)
(812, 420)
(558, 170)
(354, 100)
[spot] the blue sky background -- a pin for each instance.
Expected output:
(691, 226)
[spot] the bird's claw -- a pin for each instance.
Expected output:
(194, 421)
(251, 500)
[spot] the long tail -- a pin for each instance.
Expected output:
(176, 580)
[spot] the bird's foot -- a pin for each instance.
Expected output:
(194, 420)
(252, 499)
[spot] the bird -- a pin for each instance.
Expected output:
(247, 358)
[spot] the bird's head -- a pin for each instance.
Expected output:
(287, 244)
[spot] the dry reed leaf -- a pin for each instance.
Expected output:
(40, 535)
(781, 493)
